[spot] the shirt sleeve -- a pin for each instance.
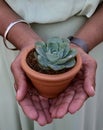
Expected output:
(90, 7)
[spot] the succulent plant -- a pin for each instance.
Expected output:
(55, 54)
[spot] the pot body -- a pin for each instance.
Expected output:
(50, 86)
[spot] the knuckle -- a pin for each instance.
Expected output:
(13, 66)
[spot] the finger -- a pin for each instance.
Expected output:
(53, 106)
(89, 82)
(77, 101)
(21, 92)
(42, 119)
(63, 108)
(28, 108)
(45, 107)
(52, 103)
(20, 81)
(62, 104)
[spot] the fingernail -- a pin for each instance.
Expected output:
(92, 91)
(18, 97)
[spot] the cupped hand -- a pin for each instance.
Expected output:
(33, 105)
(82, 87)
(43, 110)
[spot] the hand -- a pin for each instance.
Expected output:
(33, 105)
(82, 87)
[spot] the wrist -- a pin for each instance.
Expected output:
(9, 27)
(22, 36)
(27, 43)
(79, 42)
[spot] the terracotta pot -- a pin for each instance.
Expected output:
(49, 85)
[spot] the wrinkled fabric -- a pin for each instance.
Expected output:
(46, 11)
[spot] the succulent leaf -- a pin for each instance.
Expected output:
(57, 67)
(70, 63)
(53, 47)
(52, 57)
(42, 61)
(66, 50)
(40, 48)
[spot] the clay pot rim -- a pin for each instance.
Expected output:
(55, 77)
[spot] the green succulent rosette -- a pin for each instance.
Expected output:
(55, 54)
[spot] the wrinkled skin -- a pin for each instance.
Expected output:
(44, 110)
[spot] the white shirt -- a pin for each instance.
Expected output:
(50, 11)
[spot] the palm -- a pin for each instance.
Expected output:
(36, 107)
(71, 100)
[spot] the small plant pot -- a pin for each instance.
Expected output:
(47, 85)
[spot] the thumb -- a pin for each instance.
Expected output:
(90, 75)
(20, 80)
(21, 90)
(89, 88)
